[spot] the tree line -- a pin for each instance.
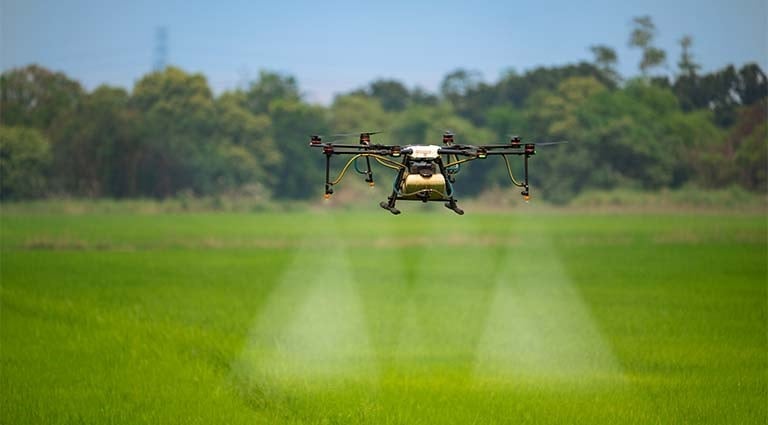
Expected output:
(170, 134)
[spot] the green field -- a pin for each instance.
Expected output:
(364, 317)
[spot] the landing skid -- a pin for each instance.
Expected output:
(391, 209)
(451, 205)
(390, 206)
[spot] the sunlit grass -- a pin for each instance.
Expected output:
(369, 318)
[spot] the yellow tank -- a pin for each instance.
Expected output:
(415, 184)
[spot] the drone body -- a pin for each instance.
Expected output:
(425, 173)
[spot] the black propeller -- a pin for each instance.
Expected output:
(369, 133)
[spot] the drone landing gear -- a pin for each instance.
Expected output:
(451, 205)
(390, 208)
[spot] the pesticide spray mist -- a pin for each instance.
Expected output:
(539, 331)
(311, 331)
(458, 305)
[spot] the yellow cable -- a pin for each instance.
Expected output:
(387, 165)
(344, 170)
(383, 159)
(509, 171)
(379, 158)
(451, 164)
(424, 190)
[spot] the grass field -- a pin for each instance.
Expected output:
(363, 317)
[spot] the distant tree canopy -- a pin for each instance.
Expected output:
(172, 135)
(24, 160)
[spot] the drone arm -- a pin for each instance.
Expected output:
(455, 151)
(328, 189)
(494, 149)
(369, 173)
(526, 193)
(337, 145)
(393, 150)
(334, 150)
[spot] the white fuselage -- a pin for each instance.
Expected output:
(424, 151)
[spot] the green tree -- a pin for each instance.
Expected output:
(606, 59)
(353, 113)
(456, 84)
(752, 159)
(633, 137)
(34, 97)
(554, 115)
(300, 174)
(178, 125)
(752, 85)
(270, 86)
(506, 120)
(392, 94)
(421, 97)
(96, 146)
(691, 136)
(555, 112)
(24, 160)
(641, 37)
(719, 94)
(241, 133)
(687, 86)
(628, 135)
(515, 88)
(686, 65)
(749, 138)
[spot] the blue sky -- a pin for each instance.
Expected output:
(333, 46)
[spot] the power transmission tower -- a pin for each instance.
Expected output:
(161, 48)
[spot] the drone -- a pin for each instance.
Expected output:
(425, 173)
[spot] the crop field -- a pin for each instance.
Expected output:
(332, 317)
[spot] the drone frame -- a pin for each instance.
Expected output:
(383, 154)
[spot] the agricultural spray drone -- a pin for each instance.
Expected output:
(426, 172)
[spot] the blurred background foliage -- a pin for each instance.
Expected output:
(171, 136)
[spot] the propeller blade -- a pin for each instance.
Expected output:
(551, 143)
(356, 134)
